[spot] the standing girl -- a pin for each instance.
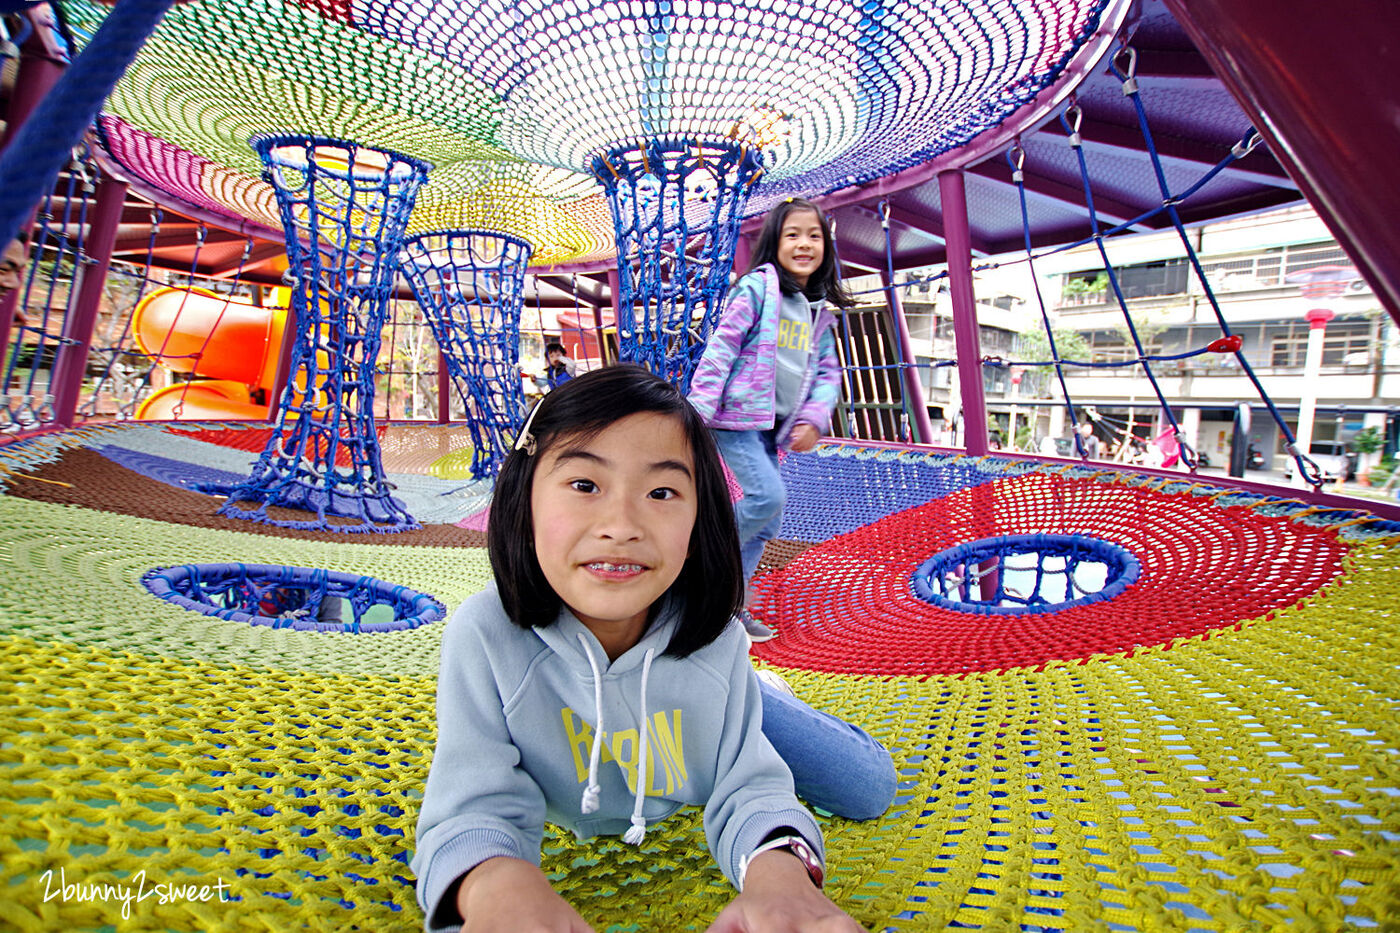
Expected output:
(600, 686)
(769, 376)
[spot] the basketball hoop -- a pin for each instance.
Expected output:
(1323, 281)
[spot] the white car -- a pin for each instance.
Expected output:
(1331, 457)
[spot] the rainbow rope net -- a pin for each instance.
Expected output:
(512, 101)
(1213, 748)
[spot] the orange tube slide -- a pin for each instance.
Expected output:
(233, 345)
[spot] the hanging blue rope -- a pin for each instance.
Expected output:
(676, 209)
(1188, 455)
(1306, 466)
(471, 287)
(1017, 157)
(344, 208)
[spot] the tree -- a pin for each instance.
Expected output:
(1367, 442)
(1034, 347)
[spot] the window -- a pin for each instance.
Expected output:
(1114, 346)
(1154, 279)
(1347, 343)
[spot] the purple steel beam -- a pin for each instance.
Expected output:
(953, 194)
(1321, 77)
(71, 364)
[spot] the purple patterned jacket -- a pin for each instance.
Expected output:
(734, 384)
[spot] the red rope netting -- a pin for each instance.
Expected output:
(846, 605)
(255, 439)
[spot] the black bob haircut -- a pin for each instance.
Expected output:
(710, 587)
(825, 282)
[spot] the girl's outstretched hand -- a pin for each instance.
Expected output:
(778, 897)
(510, 895)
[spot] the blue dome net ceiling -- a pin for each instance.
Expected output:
(511, 102)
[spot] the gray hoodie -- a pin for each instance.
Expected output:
(536, 725)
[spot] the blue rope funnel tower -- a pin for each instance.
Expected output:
(676, 209)
(344, 208)
(471, 287)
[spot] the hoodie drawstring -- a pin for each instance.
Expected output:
(638, 830)
(591, 792)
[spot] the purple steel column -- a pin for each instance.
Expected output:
(909, 370)
(1323, 78)
(71, 364)
(284, 365)
(444, 388)
(969, 347)
(743, 252)
(38, 73)
(614, 293)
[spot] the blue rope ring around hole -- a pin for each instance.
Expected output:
(1035, 573)
(305, 599)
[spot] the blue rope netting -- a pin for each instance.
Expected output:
(845, 91)
(471, 287)
(1029, 573)
(344, 208)
(676, 211)
(303, 598)
(873, 483)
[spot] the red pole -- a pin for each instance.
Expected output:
(284, 365)
(969, 346)
(71, 364)
(1321, 77)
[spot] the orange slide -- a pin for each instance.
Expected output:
(230, 348)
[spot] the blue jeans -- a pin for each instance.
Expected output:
(835, 766)
(752, 456)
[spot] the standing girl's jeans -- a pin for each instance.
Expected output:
(835, 766)
(752, 456)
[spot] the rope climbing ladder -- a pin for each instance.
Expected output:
(344, 208)
(471, 287)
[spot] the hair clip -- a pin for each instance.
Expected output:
(525, 440)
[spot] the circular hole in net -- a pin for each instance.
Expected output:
(1015, 574)
(301, 598)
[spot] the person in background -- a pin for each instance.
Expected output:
(561, 368)
(770, 377)
(1087, 439)
(12, 264)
